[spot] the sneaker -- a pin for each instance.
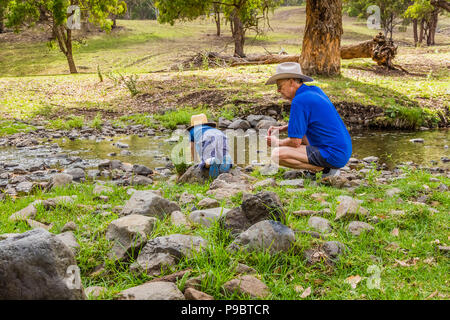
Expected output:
(332, 173)
(326, 173)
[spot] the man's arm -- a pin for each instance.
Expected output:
(290, 142)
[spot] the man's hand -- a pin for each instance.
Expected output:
(273, 129)
(272, 141)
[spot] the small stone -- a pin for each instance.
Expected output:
(28, 212)
(299, 183)
(208, 203)
(193, 294)
(95, 291)
(242, 268)
(157, 290)
(357, 227)
(320, 224)
(69, 226)
(178, 219)
(247, 285)
(187, 198)
(392, 192)
(207, 217)
(270, 182)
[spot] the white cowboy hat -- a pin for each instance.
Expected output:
(288, 70)
(198, 119)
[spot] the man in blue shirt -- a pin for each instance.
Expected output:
(318, 140)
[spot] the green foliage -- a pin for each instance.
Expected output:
(390, 11)
(97, 122)
(250, 12)
(420, 9)
(66, 124)
(173, 118)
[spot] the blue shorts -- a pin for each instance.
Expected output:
(316, 159)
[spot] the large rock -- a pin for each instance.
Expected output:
(157, 290)
(207, 217)
(60, 180)
(229, 184)
(265, 205)
(76, 173)
(239, 124)
(148, 203)
(208, 203)
(141, 170)
(37, 265)
(247, 285)
(162, 252)
(129, 234)
(29, 212)
(69, 240)
(194, 175)
(267, 234)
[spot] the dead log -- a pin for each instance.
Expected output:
(267, 59)
(380, 49)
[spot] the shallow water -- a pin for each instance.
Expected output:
(392, 147)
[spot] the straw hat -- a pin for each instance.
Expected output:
(288, 70)
(199, 119)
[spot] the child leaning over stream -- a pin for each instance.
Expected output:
(209, 146)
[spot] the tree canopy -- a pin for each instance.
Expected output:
(21, 13)
(243, 14)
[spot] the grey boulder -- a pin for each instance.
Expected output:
(267, 234)
(129, 234)
(162, 252)
(36, 265)
(148, 203)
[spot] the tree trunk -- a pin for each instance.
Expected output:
(360, 50)
(64, 37)
(416, 37)
(433, 26)
(444, 4)
(380, 49)
(114, 25)
(2, 26)
(217, 18)
(322, 38)
(238, 35)
(422, 22)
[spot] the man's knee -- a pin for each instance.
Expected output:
(276, 155)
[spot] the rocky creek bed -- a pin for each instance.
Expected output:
(160, 227)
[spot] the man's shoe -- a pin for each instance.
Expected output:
(331, 173)
(326, 173)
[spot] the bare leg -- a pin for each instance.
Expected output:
(295, 158)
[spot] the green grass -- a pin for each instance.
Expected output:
(8, 127)
(284, 273)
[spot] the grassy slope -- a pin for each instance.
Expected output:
(285, 273)
(34, 80)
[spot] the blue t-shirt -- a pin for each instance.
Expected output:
(314, 115)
